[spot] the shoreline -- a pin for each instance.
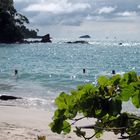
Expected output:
(17, 123)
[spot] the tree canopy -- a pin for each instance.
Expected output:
(104, 103)
(12, 28)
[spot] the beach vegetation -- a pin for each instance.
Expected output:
(103, 102)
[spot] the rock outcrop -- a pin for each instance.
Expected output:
(8, 97)
(85, 36)
(46, 38)
(78, 42)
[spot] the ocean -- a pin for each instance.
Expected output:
(45, 70)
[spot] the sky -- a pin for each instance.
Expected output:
(71, 18)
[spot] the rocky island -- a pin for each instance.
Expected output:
(85, 36)
(46, 38)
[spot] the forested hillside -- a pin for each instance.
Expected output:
(12, 24)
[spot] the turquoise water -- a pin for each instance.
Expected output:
(44, 70)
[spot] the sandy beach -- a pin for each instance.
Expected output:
(18, 123)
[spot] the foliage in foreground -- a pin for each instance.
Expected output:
(103, 102)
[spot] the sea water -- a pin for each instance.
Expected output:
(45, 70)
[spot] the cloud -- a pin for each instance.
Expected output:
(127, 14)
(68, 19)
(106, 10)
(63, 12)
(54, 15)
(57, 7)
(25, 1)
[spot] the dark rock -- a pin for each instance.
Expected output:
(46, 38)
(7, 97)
(120, 43)
(35, 41)
(85, 36)
(78, 42)
(24, 42)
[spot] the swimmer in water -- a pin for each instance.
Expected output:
(113, 72)
(16, 72)
(84, 70)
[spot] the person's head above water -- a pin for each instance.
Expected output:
(113, 72)
(16, 71)
(84, 70)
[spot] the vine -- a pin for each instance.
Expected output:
(102, 102)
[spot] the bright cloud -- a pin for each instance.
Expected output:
(56, 7)
(106, 10)
(72, 14)
(127, 14)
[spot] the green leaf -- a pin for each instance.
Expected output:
(80, 87)
(77, 94)
(63, 101)
(115, 107)
(136, 99)
(86, 89)
(136, 85)
(126, 93)
(130, 77)
(57, 126)
(133, 76)
(102, 81)
(66, 127)
(59, 113)
(115, 80)
(98, 133)
(71, 112)
(122, 120)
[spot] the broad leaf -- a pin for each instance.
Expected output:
(66, 127)
(103, 81)
(115, 80)
(130, 77)
(115, 107)
(63, 101)
(126, 92)
(136, 99)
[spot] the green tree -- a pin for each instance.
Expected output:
(6, 5)
(9, 32)
(12, 23)
(103, 102)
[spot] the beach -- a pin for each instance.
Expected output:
(18, 123)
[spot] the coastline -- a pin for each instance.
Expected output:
(40, 81)
(18, 123)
